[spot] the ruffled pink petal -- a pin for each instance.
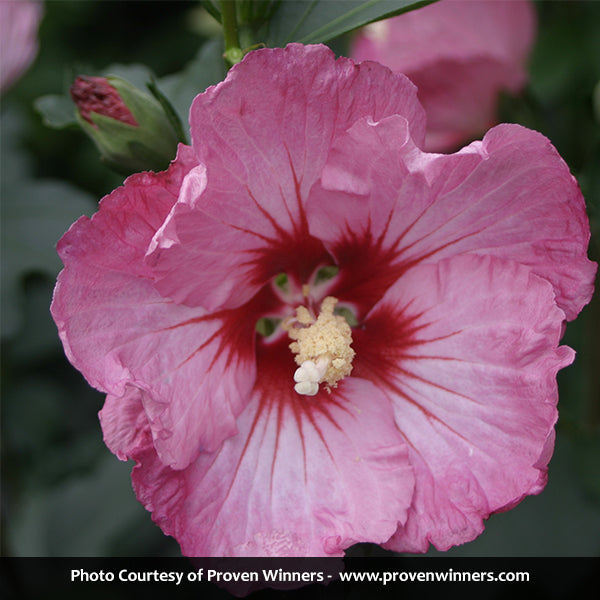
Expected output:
(467, 351)
(196, 369)
(460, 54)
(304, 477)
(510, 196)
(125, 424)
(264, 135)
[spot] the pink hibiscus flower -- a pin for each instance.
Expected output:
(460, 54)
(19, 21)
(313, 334)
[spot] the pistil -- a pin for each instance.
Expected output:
(322, 348)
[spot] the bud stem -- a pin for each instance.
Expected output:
(233, 52)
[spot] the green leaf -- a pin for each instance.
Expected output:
(56, 111)
(35, 214)
(315, 21)
(137, 75)
(50, 522)
(36, 338)
(206, 69)
(15, 161)
(212, 8)
(170, 112)
(587, 452)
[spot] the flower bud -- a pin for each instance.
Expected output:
(129, 127)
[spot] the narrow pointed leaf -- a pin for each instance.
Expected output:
(314, 21)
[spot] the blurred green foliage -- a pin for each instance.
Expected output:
(63, 493)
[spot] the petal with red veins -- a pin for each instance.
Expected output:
(235, 261)
(302, 478)
(196, 369)
(510, 196)
(467, 351)
(264, 135)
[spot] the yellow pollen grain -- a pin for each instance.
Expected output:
(329, 336)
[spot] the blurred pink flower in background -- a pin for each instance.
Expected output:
(460, 54)
(311, 333)
(19, 21)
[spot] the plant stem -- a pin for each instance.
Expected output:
(233, 52)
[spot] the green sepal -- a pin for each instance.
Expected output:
(148, 146)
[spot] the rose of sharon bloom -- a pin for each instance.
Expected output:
(311, 333)
(460, 54)
(19, 21)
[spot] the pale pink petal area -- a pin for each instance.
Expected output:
(264, 135)
(19, 22)
(304, 477)
(196, 369)
(510, 195)
(467, 351)
(460, 54)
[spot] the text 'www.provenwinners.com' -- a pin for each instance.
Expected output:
(302, 577)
